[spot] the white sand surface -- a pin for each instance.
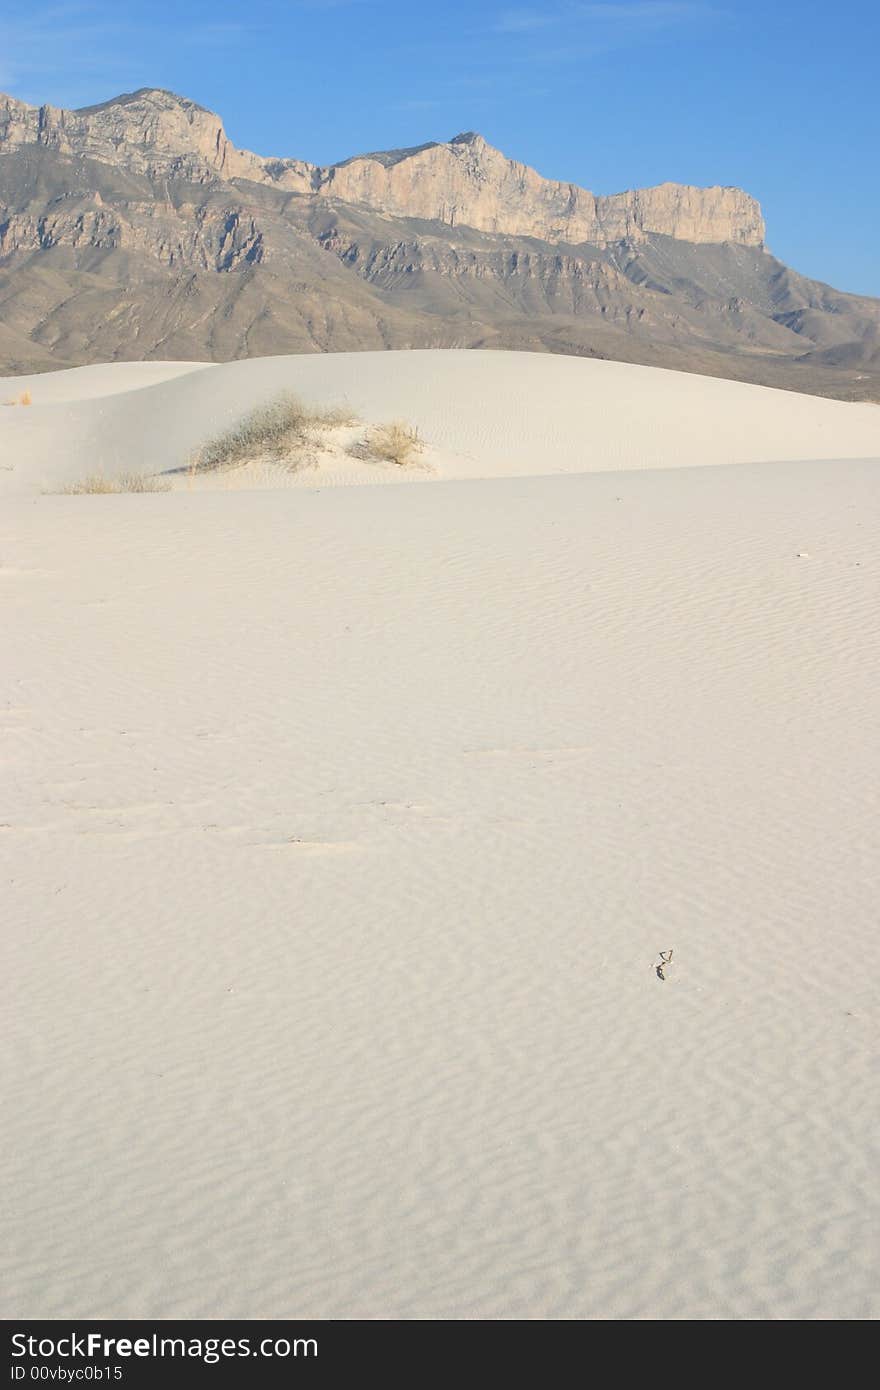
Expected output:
(341, 830)
(89, 383)
(482, 414)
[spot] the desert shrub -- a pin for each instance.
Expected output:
(394, 442)
(142, 482)
(125, 482)
(278, 428)
(91, 483)
(333, 417)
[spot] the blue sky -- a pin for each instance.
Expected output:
(777, 98)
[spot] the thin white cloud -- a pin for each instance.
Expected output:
(643, 11)
(523, 21)
(512, 44)
(629, 18)
(77, 51)
(328, 4)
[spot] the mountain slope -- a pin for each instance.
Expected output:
(135, 229)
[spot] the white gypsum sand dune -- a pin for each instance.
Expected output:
(342, 830)
(482, 414)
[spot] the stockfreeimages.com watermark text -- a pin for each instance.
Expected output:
(94, 1347)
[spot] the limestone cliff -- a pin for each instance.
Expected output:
(468, 182)
(464, 182)
(136, 229)
(149, 132)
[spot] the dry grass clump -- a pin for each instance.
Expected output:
(125, 482)
(142, 482)
(334, 417)
(281, 429)
(24, 399)
(394, 442)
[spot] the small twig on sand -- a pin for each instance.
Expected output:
(665, 959)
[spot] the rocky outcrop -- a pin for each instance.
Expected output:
(212, 239)
(467, 182)
(136, 229)
(151, 132)
(463, 182)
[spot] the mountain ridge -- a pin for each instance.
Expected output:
(464, 180)
(136, 229)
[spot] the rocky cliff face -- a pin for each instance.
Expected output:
(219, 238)
(151, 132)
(468, 182)
(135, 229)
(462, 182)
